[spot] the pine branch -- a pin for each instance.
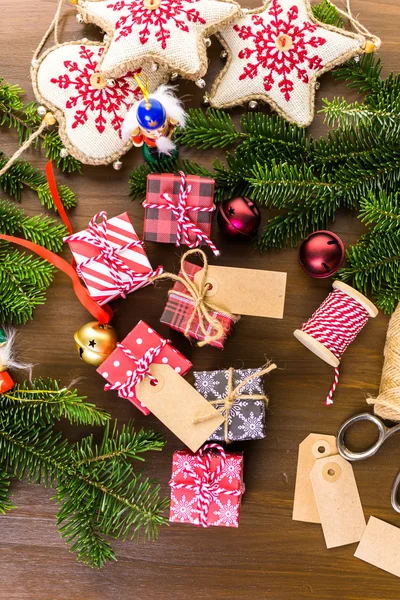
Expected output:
(45, 401)
(23, 282)
(325, 12)
(372, 263)
(21, 174)
(5, 500)
(98, 498)
(39, 229)
(364, 75)
(383, 211)
(214, 129)
(25, 120)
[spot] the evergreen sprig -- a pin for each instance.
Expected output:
(327, 13)
(23, 282)
(25, 120)
(373, 263)
(39, 229)
(99, 493)
(45, 401)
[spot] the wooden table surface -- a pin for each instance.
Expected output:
(269, 556)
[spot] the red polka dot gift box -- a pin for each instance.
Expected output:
(128, 364)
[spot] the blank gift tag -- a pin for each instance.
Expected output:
(338, 502)
(246, 291)
(315, 445)
(380, 546)
(176, 403)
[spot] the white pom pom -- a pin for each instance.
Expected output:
(165, 145)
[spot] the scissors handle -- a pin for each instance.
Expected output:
(353, 456)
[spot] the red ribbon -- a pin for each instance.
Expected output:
(54, 193)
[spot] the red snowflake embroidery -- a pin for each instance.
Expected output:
(172, 11)
(280, 46)
(106, 102)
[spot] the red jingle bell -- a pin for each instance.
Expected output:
(238, 217)
(321, 254)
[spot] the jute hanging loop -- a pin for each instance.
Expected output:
(387, 404)
(334, 325)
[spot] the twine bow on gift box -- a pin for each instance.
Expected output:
(207, 485)
(234, 394)
(184, 225)
(127, 389)
(201, 305)
(96, 235)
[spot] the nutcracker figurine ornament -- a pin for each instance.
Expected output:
(151, 122)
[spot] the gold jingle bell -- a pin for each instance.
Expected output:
(94, 342)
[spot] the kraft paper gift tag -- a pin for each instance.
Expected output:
(338, 501)
(380, 546)
(313, 447)
(250, 292)
(176, 403)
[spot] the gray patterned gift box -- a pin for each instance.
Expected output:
(246, 418)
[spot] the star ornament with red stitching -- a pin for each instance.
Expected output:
(169, 32)
(275, 54)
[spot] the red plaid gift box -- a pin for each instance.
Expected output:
(179, 209)
(132, 357)
(179, 310)
(206, 487)
(110, 258)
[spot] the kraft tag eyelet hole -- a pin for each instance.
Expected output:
(331, 472)
(212, 286)
(154, 382)
(321, 448)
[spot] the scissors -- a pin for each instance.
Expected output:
(383, 434)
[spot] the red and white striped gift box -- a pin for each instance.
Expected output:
(96, 275)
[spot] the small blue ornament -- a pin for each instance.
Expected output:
(151, 114)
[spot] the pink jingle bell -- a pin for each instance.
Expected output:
(321, 254)
(238, 217)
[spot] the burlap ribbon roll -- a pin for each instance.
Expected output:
(202, 307)
(387, 403)
(234, 395)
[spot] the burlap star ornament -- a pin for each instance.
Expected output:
(275, 54)
(170, 32)
(90, 109)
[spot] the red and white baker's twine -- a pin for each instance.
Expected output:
(96, 235)
(335, 324)
(185, 225)
(206, 486)
(127, 389)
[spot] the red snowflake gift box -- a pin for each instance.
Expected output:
(110, 258)
(206, 487)
(179, 209)
(183, 312)
(126, 366)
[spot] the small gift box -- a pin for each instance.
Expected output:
(188, 311)
(206, 487)
(110, 258)
(179, 209)
(126, 365)
(239, 395)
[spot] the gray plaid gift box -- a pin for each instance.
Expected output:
(246, 420)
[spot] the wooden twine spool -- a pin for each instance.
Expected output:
(387, 404)
(334, 325)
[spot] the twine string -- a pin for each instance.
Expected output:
(335, 324)
(184, 225)
(387, 403)
(233, 395)
(357, 26)
(206, 485)
(202, 307)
